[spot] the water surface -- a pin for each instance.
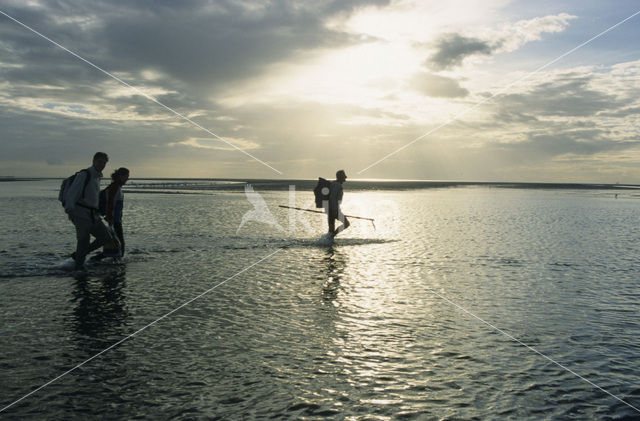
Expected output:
(366, 328)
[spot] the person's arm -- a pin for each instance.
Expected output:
(74, 192)
(332, 201)
(335, 197)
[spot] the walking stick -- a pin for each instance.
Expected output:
(317, 211)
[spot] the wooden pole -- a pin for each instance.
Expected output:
(317, 211)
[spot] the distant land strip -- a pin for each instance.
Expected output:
(152, 185)
(353, 185)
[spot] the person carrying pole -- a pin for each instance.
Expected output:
(335, 199)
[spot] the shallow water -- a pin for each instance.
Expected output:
(377, 325)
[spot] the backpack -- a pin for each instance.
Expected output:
(67, 182)
(321, 191)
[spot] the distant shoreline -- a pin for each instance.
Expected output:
(237, 185)
(12, 178)
(149, 184)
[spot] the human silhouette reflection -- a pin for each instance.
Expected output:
(335, 265)
(99, 315)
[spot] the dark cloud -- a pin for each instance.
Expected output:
(193, 48)
(558, 117)
(534, 158)
(543, 156)
(567, 96)
(452, 49)
(515, 116)
(622, 113)
(63, 139)
(199, 43)
(550, 145)
(430, 84)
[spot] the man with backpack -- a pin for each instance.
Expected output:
(80, 201)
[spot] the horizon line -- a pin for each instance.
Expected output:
(357, 180)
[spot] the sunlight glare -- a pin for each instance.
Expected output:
(361, 74)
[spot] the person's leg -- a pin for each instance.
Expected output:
(100, 232)
(97, 257)
(95, 245)
(345, 223)
(332, 222)
(83, 229)
(117, 226)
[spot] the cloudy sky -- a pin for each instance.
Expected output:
(308, 87)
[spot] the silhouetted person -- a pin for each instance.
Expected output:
(335, 198)
(81, 204)
(114, 205)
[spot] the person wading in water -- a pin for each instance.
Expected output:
(335, 198)
(113, 204)
(81, 205)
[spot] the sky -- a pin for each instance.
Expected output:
(428, 90)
